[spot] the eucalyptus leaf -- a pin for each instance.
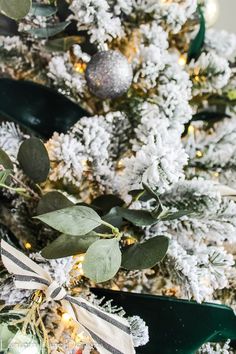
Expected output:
(112, 218)
(137, 217)
(169, 215)
(62, 44)
(5, 160)
(140, 194)
(135, 193)
(160, 209)
(48, 31)
(76, 220)
(107, 202)
(102, 260)
(145, 255)
(53, 201)
(150, 191)
(43, 10)
(4, 177)
(67, 245)
(34, 160)
(198, 42)
(144, 194)
(15, 9)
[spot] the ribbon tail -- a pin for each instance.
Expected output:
(110, 333)
(28, 274)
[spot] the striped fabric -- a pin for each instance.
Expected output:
(110, 333)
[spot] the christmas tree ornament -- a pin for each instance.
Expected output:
(108, 74)
(109, 332)
(13, 339)
(211, 12)
(24, 344)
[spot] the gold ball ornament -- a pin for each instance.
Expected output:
(211, 12)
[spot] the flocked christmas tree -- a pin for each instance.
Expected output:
(118, 170)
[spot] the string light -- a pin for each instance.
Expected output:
(80, 67)
(84, 163)
(66, 317)
(130, 241)
(120, 166)
(28, 245)
(80, 258)
(77, 269)
(199, 154)
(182, 60)
(197, 78)
(191, 129)
(80, 338)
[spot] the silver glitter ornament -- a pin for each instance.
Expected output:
(108, 74)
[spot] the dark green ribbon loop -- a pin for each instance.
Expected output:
(38, 108)
(176, 326)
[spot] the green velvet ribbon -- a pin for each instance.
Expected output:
(176, 326)
(38, 108)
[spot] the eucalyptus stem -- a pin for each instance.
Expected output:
(104, 235)
(24, 188)
(115, 230)
(20, 191)
(27, 188)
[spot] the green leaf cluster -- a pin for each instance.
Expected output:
(96, 231)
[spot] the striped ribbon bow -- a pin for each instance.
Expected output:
(111, 334)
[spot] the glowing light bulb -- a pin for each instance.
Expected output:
(130, 241)
(81, 258)
(80, 67)
(66, 317)
(80, 338)
(211, 12)
(199, 154)
(191, 129)
(182, 60)
(28, 245)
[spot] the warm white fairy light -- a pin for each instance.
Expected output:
(212, 11)
(28, 245)
(191, 129)
(66, 317)
(182, 60)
